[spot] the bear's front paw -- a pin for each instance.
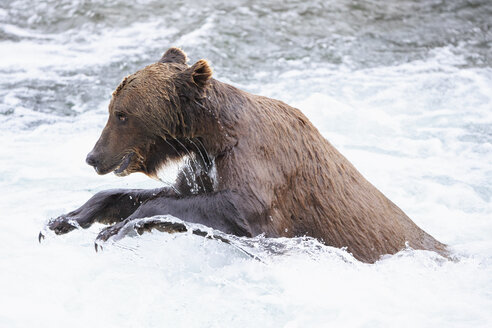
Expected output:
(62, 225)
(109, 232)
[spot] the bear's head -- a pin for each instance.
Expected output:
(153, 117)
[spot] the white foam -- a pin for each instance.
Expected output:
(412, 129)
(37, 56)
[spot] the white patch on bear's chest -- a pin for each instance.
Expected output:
(169, 170)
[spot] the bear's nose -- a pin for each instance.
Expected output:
(91, 159)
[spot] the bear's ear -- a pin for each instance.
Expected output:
(174, 55)
(200, 73)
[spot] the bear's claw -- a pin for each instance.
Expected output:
(40, 236)
(97, 246)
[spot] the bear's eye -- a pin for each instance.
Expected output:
(121, 117)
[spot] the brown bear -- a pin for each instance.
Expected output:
(255, 165)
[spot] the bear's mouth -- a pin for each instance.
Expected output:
(125, 162)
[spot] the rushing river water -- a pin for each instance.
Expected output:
(402, 88)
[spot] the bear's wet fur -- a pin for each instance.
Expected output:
(257, 165)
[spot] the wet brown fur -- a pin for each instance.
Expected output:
(290, 180)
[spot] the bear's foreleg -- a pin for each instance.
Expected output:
(108, 206)
(219, 210)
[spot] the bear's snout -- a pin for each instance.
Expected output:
(91, 159)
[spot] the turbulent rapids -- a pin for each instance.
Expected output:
(401, 88)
